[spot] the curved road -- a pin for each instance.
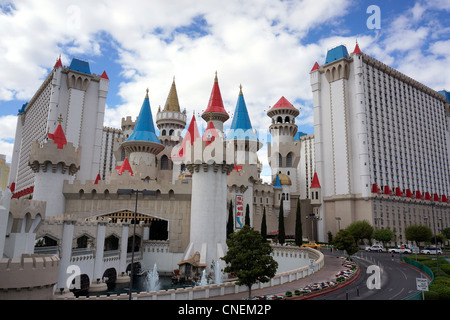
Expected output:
(397, 279)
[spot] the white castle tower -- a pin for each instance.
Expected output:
(77, 95)
(52, 163)
(243, 141)
(206, 159)
(283, 153)
(143, 145)
(171, 123)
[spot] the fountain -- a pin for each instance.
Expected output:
(203, 281)
(218, 275)
(153, 280)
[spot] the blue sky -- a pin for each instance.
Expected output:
(267, 46)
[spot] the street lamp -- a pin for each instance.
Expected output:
(339, 223)
(131, 191)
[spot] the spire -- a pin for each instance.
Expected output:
(191, 135)
(144, 130)
(215, 103)
(58, 63)
(277, 184)
(104, 75)
(172, 99)
(58, 135)
(241, 127)
(315, 67)
(283, 103)
(315, 183)
(357, 50)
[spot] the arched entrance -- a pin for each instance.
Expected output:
(84, 282)
(110, 277)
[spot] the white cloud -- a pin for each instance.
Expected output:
(259, 46)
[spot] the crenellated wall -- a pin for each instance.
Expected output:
(29, 277)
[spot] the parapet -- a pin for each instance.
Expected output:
(21, 206)
(49, 154)
(28, 272)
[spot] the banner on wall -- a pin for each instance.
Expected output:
(239, 211)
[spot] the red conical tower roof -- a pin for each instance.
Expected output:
(97, 179)
(315, 183)
(357, 50)
(191, 135)
(104, 75)
(283, 103)
(315, 67)
(215, 103)
(58, 63)
(58, 137)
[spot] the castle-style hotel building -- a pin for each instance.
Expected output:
(382, 145)
(380, 152)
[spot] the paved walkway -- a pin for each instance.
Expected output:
(332, 265)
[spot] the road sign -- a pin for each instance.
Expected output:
(422, 284)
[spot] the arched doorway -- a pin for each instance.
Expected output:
(110, 277)
(84, 284)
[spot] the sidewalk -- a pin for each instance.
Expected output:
(332, 265)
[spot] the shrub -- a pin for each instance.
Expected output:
(431, 295)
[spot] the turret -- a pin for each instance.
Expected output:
(284, 151)
(215, 107)
(171, 121)
(143, 145)
(206, 161)
(54, 162)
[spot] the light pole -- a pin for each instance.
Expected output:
(339, 223)
(130, 192)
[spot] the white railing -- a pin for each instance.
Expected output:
(229, 287)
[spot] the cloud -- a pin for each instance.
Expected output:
(7, 133)
(264, 47)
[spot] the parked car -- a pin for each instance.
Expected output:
(400, 249)
(312, 245)
(376, 248)
(431, 250)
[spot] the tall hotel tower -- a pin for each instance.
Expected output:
(382, 146)
(74, 97)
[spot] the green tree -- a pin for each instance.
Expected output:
(383, 235)
(298, 225)
(230, 223)
(345, 241)
(418, 233)
(281, 232)
(264, 225)
(360, 230)
(330, 237)
(446, 233)
(247, 215)
(249, 257)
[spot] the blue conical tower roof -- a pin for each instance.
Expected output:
(241, 127)
(144, 129)
(277, 184)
